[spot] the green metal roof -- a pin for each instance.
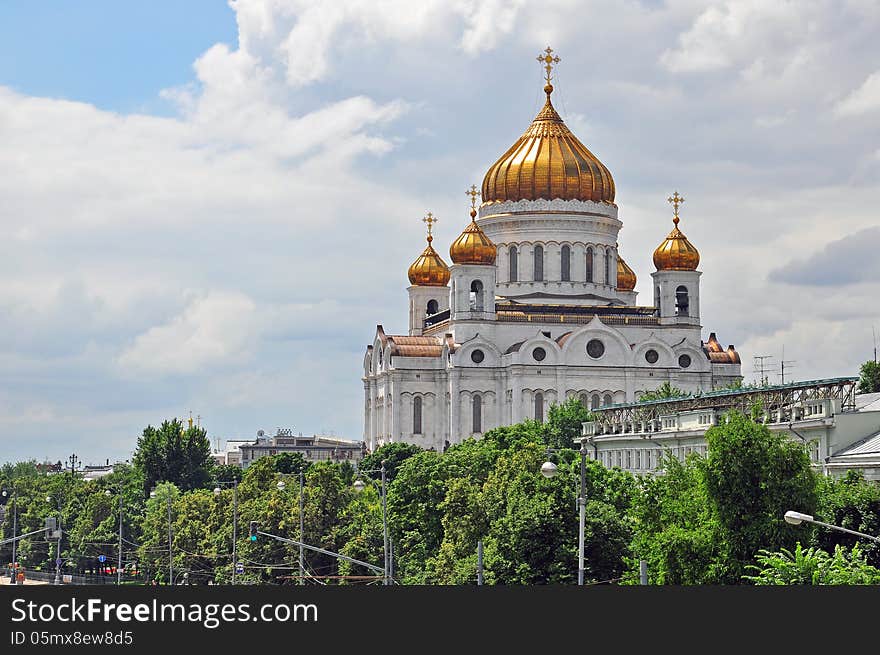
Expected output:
(731, 392)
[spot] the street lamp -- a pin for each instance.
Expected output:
(217, 492)
(796, 518)
(14, 527)
(548, 470)
(302, 559)
(119, 562)
(359, 485)
(170, 569)
(58, 555)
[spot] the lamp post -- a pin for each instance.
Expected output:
(302, 559)
(359, 486)
(548, 470)
(217, 492)
(14, 526)
(58, 554)
(170, 565)
(796, 518)
(119, 559)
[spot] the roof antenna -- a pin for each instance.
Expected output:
(874, 333)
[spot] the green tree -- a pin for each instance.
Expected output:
(812, 566)
(752, 477)
(172, 453)
(676, 527)
(393, 454)
(869, 377)
(663, 392)
(850, 502)
(565, 423)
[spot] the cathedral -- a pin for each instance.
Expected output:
(537, 305)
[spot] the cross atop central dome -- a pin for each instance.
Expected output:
(548, 162)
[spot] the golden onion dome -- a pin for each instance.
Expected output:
(472, 246)
(548, 162)
(626, 277)
(676, 253)
(429, 270)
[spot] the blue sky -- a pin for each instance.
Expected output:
(209, 207)
(115, 55)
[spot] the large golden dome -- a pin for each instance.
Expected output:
(676, 253)
(429, 270)
(472, 246)
(548, 162)
(626, 277)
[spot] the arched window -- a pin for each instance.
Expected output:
(478, 414)
(476, 296)
(565, 258)
(417, 415)
(594, 401)
(539, 263)
(657, 298)
(589, 263)
(606, 400)
(513, 257)
(432, 307)
(681, 301)
(584, 400)
(539, 407)
(607, 277)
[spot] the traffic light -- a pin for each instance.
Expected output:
(51, 527)
(253, 530)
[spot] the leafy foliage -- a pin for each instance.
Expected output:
(869, 377)
(662, 392)
(173, 454)
(753, 476)
(813, 566)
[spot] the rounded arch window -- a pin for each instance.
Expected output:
(539, 354)
(594, 401)
(595, 348)
(651, 356)
(684, 361)
(477, 356)
(607, 400)
(433, 307)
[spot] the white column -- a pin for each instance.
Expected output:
(455, 407)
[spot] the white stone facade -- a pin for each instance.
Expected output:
(520, 343)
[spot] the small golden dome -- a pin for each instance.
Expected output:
(429, 270)
(626, 277)
(472, 246)
(548, 162)
(676, 253)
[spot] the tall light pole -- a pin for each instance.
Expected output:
(796, 518)
(119, 558)
(14, 525)
(170, 561)
(302, 559)
(217, 490)
(359, 486)
(58, 555)
(548, 470)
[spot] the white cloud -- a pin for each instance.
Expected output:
(212, 330)
(248, 244)
(862, 100)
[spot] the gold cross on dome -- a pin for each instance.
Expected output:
(547, 59)
(473, 193)
(676, 200)
(429, 220)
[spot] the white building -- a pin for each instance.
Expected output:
(841, 428)
(537, 306)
